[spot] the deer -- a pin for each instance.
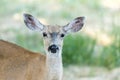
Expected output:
(18, 63)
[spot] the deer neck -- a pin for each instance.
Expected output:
(54, 66)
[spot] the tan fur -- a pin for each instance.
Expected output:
(54, 28)
(16, 63)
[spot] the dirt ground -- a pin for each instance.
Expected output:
(90, 73)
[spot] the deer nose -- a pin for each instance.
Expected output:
(53, 48)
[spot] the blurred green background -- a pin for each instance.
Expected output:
(97, 44)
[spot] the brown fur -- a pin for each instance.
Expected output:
(16, 63)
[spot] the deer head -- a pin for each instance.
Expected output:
(53, 35)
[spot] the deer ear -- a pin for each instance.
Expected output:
(32, 23)
(75, 25)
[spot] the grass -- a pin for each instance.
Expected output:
(98, 44)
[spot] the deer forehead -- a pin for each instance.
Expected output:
(53, 29)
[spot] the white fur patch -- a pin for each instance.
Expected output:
(54, 67)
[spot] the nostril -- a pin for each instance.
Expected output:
(53, 48)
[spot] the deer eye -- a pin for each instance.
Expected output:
(44, 34)
(62, 35)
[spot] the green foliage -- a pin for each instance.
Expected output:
(78, 49)
(31, 42)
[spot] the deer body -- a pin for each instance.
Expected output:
(17, 63)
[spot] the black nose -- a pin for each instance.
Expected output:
(53, 48)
